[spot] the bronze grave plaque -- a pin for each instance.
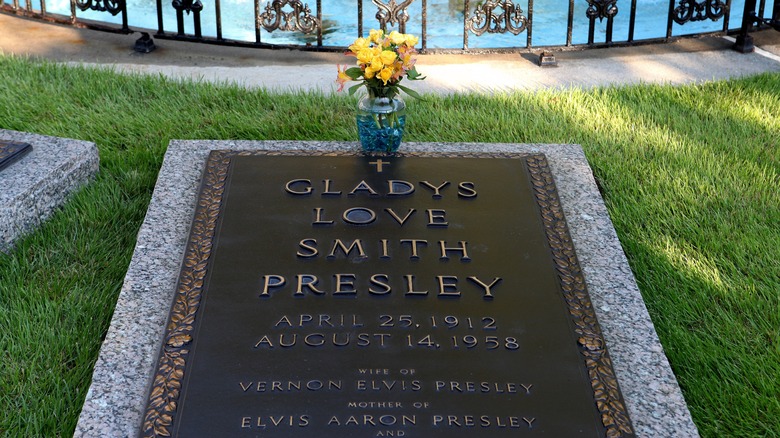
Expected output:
(334, 295)
(11, 151)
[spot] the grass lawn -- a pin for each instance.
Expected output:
(691, 177)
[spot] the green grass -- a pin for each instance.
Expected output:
(691, 177)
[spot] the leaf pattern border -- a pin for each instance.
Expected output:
(167, 383)
(609, 401)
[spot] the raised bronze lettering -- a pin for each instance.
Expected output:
(327, 192)
(287, 344)
(448, 286)
(380, 280)
(264, 341)
(414, 245)
(464, 255)
(363, 187)
(359, 216)
(466, 190)
(364, 339)
(270, 281)
(397, 218)
(345, 281)
(314, 339)
(435, 189)
(318, 218)
(396, 187)
(284, 320)
(379, 284)
(410, 286)
(309, 282)
(487, 287)
(341, 343)
(307, 190)
(338, 244)
(310, 247)
(436, 218)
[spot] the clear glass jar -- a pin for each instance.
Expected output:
(380, 122)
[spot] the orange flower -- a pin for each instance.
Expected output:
(342, 77)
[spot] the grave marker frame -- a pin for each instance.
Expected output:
(130, 349)
(256, 178)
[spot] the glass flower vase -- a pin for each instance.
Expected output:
(380, 122)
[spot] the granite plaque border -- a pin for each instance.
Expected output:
(116, 401)
(169, 377)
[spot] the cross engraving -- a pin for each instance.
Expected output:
(379, 164)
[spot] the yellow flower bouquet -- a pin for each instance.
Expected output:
(383, 60)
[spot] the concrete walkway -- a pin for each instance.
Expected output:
(684, 61)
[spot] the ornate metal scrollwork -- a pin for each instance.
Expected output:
(299, 19)
(601, 9)
(690, 10)
(393, 13)
(112, 6)
(187, 5)
(485, 19)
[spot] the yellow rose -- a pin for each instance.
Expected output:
(410, 40)
(386, 74)
(397, 37)
(358, 45)
(376, 36)
(388, 57)
(364, 56)
(376, 63)
(369, 72)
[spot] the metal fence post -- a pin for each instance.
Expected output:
(744, 42)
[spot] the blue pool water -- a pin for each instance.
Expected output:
(445, 22)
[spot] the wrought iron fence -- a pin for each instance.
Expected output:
(513, 25)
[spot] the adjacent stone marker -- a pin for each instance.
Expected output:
(382, 296)
(42, 172)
